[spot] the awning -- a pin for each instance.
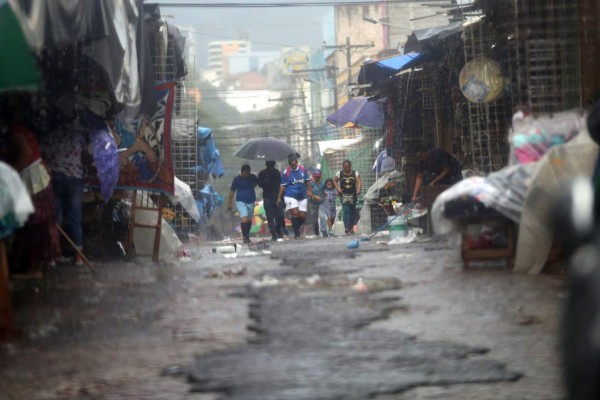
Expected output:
(430, 39)
(386, 68)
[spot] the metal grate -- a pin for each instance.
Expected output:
(429, 88)
(488, 122)
(184, 142)
(549, 55)
(589, 18)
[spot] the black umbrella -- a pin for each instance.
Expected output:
(266, 149)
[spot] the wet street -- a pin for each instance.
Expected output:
(311, 320)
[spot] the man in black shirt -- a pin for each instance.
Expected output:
(269, 179)
(436, 167)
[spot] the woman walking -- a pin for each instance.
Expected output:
(348, 184)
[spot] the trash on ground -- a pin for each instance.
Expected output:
(410, 237)
(266, 280)
(359, 286)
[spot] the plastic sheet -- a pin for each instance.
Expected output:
(560, 165)
(504, 191)
(15, 203)
(143, 238)
(184, 196)
(532, 136)
(106, 158)
(371, 198)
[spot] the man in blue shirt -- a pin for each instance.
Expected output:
(295, 190)
(243, 187)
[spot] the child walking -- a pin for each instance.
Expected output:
(328, 205)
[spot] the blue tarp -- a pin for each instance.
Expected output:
(382, 70)
(203, 133)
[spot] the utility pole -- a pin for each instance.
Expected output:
(330, 75)
(348, 48)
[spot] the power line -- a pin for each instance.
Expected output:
(284, 5)
(253, 41)
(240, 91)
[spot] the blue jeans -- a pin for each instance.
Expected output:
(349, 211)
(68, 196)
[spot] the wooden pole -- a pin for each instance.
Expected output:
(76, 248)
(6, 318)
(157, 233)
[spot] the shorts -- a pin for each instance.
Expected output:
(330, 211)
(245, 209)
(291, 202)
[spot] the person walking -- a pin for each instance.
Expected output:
(242, 187)
(294, 192)
(328, 206)
(316, 214)
(269, 180)
(348, 184)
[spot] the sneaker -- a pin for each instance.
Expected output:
(296, 237)
(325, 234)
(274, 239)
(78, 261)
(246, 241)
(280, 239)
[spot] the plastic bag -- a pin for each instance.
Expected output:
(15, 203)
(532, 136)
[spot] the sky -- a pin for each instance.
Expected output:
(270, 29)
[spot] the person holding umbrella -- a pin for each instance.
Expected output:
(295, 190)
(269, 180)
(243, 187)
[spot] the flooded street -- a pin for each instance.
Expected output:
(291, 325)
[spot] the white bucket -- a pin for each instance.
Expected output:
(398, 226)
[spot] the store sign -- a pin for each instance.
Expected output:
(295, 59)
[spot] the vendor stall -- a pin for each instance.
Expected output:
(547, 151)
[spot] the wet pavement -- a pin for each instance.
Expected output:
(290, 325)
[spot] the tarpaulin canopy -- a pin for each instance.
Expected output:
(112, 33)
(430, 39)
(18, 68)
(386, 68)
